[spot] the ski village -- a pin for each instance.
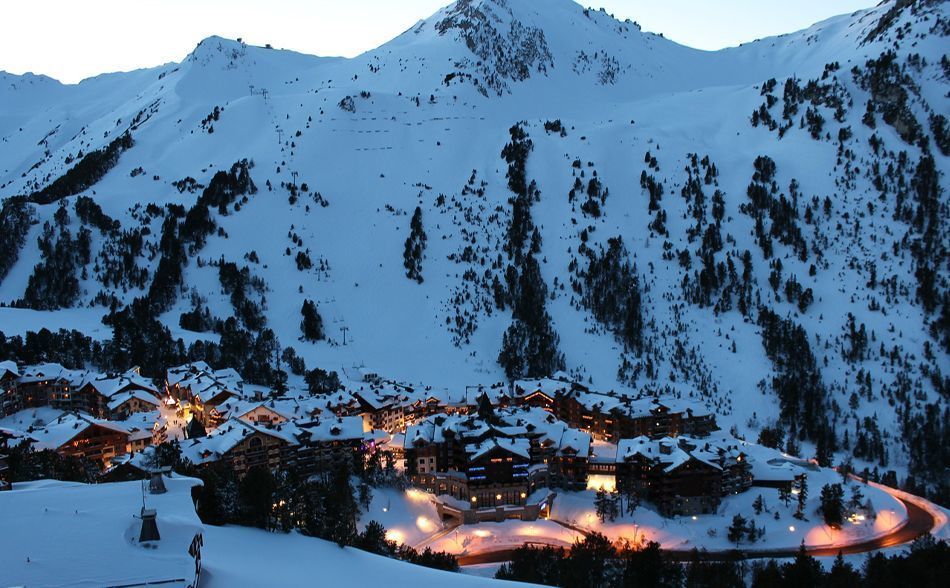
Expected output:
(436, 476)
(525, 294)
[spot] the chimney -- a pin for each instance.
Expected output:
(149, 526)
(156, 483)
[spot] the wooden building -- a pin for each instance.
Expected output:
(495, 459)
(680, 476)
(611, 416)
(244, 446)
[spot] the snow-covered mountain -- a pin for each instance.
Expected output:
(763, 227)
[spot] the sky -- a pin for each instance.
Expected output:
(71, 40)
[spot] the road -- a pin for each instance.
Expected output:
(921, 519)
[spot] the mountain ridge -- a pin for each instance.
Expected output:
(792, 189)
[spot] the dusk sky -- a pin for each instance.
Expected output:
(72, 40)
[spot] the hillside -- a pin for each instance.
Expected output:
(763, 227)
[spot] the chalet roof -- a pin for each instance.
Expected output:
(204, 381)
(111, 384)
(67, 426)
(575, 441)
(51, 371)
(522, 423)
(517, 446)
(334, 429)
(9, 368)
(603, 452)
(775, 470)
(175, 375)
(226, 437)
(548, 386)
(631, 405)
(668, 452)
(122, 397)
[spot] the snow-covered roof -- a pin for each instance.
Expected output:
(547, 386)
(517, 446)
(67, 426)
(575, 441)
(603, 452)
(8, 367)
(608, 401)
(110, 384)
(52, 371)
(204, 381)
(175, 375)
(85, 535)
(513, 423)
(228, 435)
(672, 453)
(334, 428)
(122, 397)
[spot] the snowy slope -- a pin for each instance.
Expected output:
(427, 115)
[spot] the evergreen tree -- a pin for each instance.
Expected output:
(321, 382)
(312, 323)
(536, 565)
(832, 504)
(415, 247)
(737, 530)
(784, 495)
(373, 539)
(341, 508)
(613, 506)
(588, 561)
(600, 504)
(649, 567)
(803, 571)
(612, 293)
(256, 494)
(857, 497)
(802, 497)
(842, 574)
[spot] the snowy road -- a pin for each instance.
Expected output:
(922, 517)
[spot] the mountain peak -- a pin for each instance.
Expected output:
(506, 48)
(215, 48)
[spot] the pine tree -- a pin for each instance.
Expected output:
(373, 539)
(758, 505)
(600, 504)
(842, 574)
(312, 323)
(737, 530)
(341, 508)
(613, 506)
(415, 247)
(802, 497)
(832, 506)
(857, 497)
(753, 532)
(633, 500)
(256, 494)
(530, 345)
(784, 495)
